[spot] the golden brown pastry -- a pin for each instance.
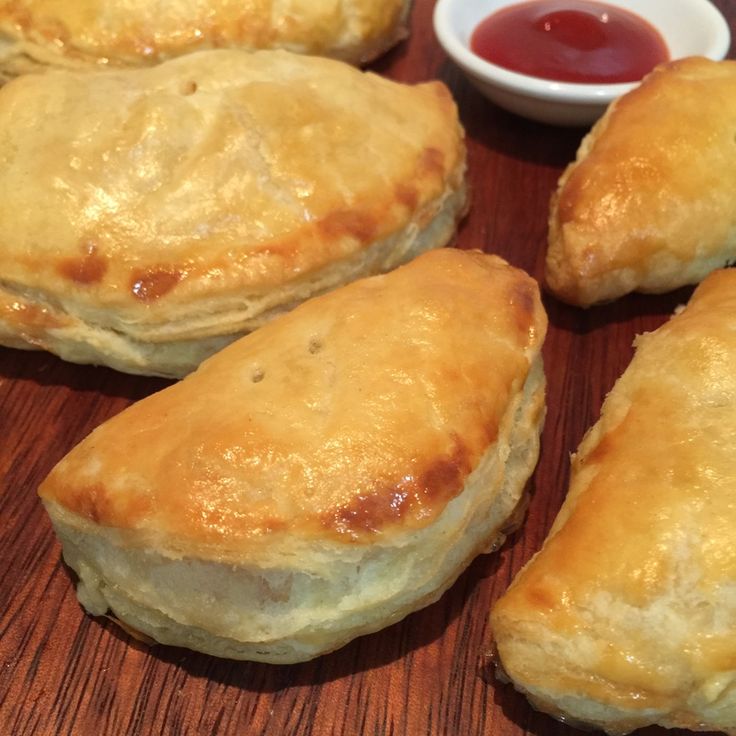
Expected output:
(134, 32)
(322, 477)
(627, 617)
(650, 203)
(148, 217)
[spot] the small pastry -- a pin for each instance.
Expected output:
(650, 203)
(35, 34)
(320, 478)
(627, 616)
(149, 217)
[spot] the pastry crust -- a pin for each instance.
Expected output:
(149, 217)
(322, 477)
(650, 203)
(83, 33)
(627, 615)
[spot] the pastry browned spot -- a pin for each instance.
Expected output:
(153, 283)
(88, 268)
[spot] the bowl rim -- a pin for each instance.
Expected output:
(486, 71)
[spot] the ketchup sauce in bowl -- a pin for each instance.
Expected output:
(564, 61)
(570, 41)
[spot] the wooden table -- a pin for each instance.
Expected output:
(63, 672)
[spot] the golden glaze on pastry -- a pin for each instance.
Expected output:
(148, 217)
(323, 476)
(135, 32)
(627, 616)
(650, 203)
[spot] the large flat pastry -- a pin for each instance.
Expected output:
(36, 33)
(149, 217)
(627, 616)
(322, 477)
(650, 203)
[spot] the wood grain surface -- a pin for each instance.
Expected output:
(64, 672)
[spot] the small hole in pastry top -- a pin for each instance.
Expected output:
(315, 345)
(189, 88)
(258, 375)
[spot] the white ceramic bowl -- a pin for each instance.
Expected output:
(689, 28)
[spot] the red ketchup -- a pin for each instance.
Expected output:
(570, 41)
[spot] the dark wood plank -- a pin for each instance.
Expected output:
(62, 672)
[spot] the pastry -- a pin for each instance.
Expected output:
(650, 203)
(627, 616)
(149, 217)
(93, 33)
(323, 476)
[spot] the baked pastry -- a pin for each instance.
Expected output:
(650, 203)
(320, 478)
(149, 217)
(84, 33)
(627, 616)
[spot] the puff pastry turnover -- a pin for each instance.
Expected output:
(650, 203)
(627, 616)
(322, 477)
(81, 33)
(148, 217)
